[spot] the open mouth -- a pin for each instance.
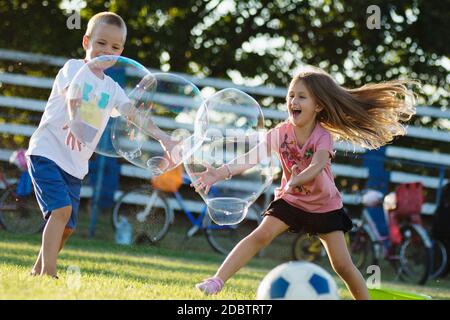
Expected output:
(296, 113)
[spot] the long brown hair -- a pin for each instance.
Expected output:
(368, 116)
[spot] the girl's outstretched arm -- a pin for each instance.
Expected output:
(211, 175)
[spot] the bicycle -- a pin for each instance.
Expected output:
(440, 259)
(19, 211)
(309, 248)
(150, 213)
(405, 244)
(440, 234)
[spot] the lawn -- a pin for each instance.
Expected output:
(164, 272)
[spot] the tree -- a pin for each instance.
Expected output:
(257, 39)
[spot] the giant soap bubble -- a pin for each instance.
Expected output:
(160, 134)
(105, 87)
(233, 134)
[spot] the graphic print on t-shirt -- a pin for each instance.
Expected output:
(292, 156)
(91, 108)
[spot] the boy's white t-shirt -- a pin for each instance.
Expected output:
(49, 139)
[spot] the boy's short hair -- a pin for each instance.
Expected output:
(107, 18)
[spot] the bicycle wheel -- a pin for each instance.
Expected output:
(439, 259)
(361, 248)
(224, 238)
(147, 211)
(20, 214)
(308, 248)
(415, 254)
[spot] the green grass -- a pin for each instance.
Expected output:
(167, 271)
(111, 271)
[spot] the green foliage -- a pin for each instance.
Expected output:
(258, 40)
(212, 38)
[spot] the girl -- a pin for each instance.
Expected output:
(308, 199)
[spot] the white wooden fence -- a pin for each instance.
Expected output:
(339, 169)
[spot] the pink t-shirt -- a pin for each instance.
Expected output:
(318, 195)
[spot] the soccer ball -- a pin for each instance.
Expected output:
(298, 280)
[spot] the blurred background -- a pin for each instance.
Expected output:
(256, 46)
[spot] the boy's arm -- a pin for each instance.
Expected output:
(73, 107)
(145, 123)
(169, 144)
(248, 160)
(74, 102)
(136, 114)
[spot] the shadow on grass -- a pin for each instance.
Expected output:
(157, 273)
(26, 257)
(104, 246)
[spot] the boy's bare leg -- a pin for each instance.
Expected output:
(52, 238)
(66, 234)
(38, 264)
(36, 270)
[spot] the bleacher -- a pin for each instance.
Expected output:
(341, 169)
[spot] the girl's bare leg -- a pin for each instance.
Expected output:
(341, 261)
(250, 245)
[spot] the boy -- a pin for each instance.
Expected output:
(57, 161)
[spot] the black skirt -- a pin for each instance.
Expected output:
(307, 222)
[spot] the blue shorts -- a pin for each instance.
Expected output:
(54, 188)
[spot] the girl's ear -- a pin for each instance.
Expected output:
(85, 42)
(318, 108)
